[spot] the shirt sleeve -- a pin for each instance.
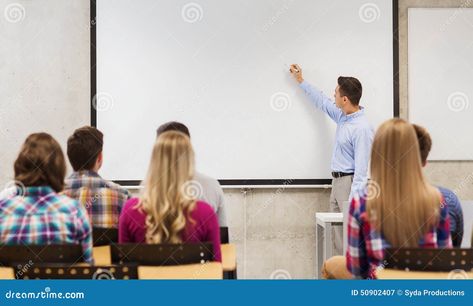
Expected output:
(212, 233)
(84, 233)
(357, 261)
(123, 226)
(444, 239)
(456, 216)
(460, 225)
(124, 196)
(221, 212)
(362, 149)
(322, 102)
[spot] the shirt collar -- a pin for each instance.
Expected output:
(356, 114)
(35, 191)
(84, 173)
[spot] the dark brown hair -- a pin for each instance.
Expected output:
(351, 88)
(425, 142)
(41, 162)
(83, 148)
(173, 126)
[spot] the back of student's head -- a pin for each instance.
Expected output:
(41, 162)
(173, 126)
(83, 148)
(401, 204)
(165, 197)
(425, 142)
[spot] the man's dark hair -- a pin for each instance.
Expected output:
(351, 88)
(425, 142)
(173, 126)
(83, 148)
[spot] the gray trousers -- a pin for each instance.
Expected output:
(340, 193)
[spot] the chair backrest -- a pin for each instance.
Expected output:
(417, 259)
(162, 254)
(210, 270)
(27, 254)
(400, 274)
(61, 271)
(224, 237)
(104, 236)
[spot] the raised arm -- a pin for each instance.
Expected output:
(319, 99)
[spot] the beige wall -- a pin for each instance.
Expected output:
(44, 72)
(44, 61)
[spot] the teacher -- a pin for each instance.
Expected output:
(353, 138)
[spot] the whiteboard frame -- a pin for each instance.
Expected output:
(241, 182)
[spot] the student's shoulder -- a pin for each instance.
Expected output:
(116, 187)
(449, 197)
(447, 193)
(205, 179)
(131, 204)
(65, 203)
(203, 209)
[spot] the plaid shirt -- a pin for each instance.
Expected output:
(38, 215)
(102, 199)
(366, 245)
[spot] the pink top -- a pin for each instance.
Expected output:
(132, 226)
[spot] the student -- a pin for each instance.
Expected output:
(449, 197)
(398, 208)
(209, 188)
(103, 199)
(164, 213)
(37, 213)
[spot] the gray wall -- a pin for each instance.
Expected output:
(45, 76)
(44, 72)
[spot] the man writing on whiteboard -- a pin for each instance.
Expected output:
(353, 138)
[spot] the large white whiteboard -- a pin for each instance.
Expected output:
(220, 67)
(440, 65)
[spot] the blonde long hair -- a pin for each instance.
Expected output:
(403, 206)
(164, 198)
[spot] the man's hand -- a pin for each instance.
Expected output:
(296, 72)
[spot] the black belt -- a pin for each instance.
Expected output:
(340, 174)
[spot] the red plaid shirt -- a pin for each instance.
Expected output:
(366, 245)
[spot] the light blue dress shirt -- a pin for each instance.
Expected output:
(353, 138)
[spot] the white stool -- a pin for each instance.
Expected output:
(323, 237)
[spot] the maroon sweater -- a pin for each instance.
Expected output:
(132, 226)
